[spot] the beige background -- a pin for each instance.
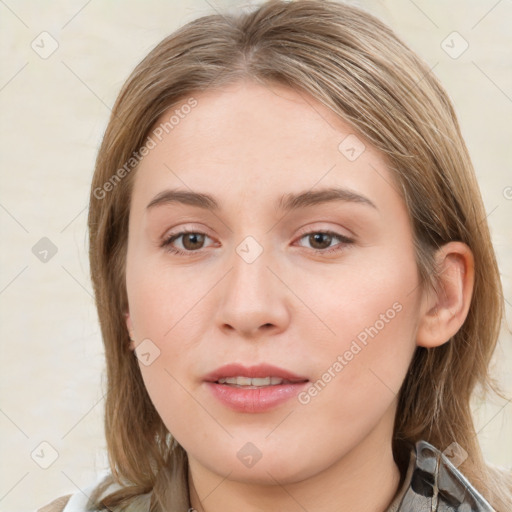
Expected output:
(54, 111)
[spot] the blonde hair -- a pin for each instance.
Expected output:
(355, 65)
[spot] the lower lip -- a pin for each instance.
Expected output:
(254, 400)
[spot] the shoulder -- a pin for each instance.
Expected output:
(80, 501)
(56, 505)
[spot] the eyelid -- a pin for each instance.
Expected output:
(187, 228)
(306, 230)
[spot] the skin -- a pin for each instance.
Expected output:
(246, 145)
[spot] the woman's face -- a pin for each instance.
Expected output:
(299, 266)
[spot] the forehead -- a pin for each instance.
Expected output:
(255, 116)
(254, 139)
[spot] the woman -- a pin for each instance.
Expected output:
(294, 275)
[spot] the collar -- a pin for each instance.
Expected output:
(434, 484)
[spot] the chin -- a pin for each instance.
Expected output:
(265, 467)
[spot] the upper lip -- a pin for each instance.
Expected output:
(260, 370)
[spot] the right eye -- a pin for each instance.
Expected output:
(192, 241)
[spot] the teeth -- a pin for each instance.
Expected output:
(248, 381)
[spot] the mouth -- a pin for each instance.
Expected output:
(255, 388)
(253, 383)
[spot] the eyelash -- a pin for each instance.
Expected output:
(170, 239)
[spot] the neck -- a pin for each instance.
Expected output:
(366, 478)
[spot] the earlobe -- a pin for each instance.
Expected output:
(445, 309)
(129, 327)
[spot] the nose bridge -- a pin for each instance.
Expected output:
(252, 296)
(250, 279)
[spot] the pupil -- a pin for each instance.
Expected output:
(192, 238)
(319, 236)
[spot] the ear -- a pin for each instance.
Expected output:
(444, 310)
(131, 333)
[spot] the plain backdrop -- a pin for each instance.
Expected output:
(63, 64)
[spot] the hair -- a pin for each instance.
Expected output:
(355, 65)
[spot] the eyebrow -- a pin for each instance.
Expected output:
(287, 202)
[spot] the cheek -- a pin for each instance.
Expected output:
(368, 361)
(372, 309)
(365, 294)
(168, 316)
(162, 299)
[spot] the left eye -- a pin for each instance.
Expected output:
(322, 240)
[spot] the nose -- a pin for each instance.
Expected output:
(253, 301)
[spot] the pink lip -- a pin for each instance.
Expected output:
(260, 370)
(254, 400)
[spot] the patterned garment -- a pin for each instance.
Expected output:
(432, 484)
